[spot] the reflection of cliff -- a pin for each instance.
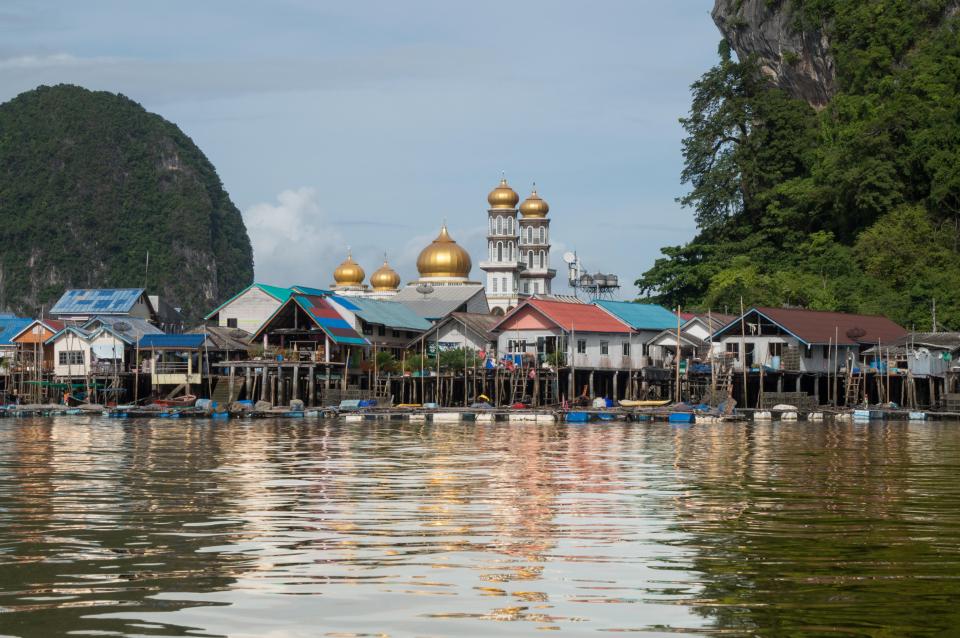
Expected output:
(104, 517)
(801, 526)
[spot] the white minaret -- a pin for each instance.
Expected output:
(536, 276)
(502, 264)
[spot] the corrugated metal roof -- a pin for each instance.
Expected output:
(480, 324)
(185, 341)
(821, 327)
(96, 301)
(328, 319)
(571, 317)
(11, 326)
(640, 316)
(130, 327)
(391, 314)
(222, 338)
(441, 302)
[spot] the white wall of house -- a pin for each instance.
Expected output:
(593, 357)
(817, 361)
(451, 335)
(249, 310)
(70, 342)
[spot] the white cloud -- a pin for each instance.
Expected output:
(56, 60)
(294, 241)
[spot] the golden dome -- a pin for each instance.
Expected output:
(443, 258)
(349, 273)
(503, 196)
(385, 278)
(534, 207)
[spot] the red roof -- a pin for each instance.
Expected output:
(816, 326)
(577, 317)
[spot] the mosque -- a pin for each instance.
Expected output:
(517, 263)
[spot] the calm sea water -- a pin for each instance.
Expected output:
(322, 528)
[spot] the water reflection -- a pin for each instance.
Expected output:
(299, 528)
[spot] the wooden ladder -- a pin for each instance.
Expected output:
(851, 396)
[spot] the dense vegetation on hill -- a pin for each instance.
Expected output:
(89, 183)
(852, 207)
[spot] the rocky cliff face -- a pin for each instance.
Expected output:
(90, 182)
(797, 61)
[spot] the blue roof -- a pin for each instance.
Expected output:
(10, 325)
(391, 314)
(188, 341)
(97, 301)
(640, 316)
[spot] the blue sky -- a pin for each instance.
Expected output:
(366, 124)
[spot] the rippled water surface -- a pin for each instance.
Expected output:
(324, 528)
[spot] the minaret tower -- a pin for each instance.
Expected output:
(536, 276)
(502, 264)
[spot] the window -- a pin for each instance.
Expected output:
(513, 254)
(529, 259)
(808, 352)
(581, 346)
(529, 234)
(490, 251)
(543, 235)
(604, 347)
(499, 251)
(517, 345)
(71, 358)
(510, 225)
(505, 288)
(381, 331)
(733, 347)
(826, 352)
(543, 259)
(367, 328)
(396, 333)
(232, 322)
(626, 348)
(526, 287)
(536, 287)
(494, 282)
(499, 225)
(776, 349)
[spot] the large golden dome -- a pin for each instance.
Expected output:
(385, 278)
(534, 207)
(349, 273)
(443, 258)
(503, 196)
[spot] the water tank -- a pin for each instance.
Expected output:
(600, 279)
(613, 281)
(586, 280)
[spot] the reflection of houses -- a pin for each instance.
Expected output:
(387, 324)
(462, 330)
(80, 305)
(800, 340)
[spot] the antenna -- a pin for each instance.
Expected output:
(146, 271)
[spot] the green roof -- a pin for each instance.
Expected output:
(391, 314)
(640, 316)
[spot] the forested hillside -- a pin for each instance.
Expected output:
(822, 159)
(89, 183)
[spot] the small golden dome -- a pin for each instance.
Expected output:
(349, 273)
(443, 258)
(534, 207)
(385, 278)
(503, 196)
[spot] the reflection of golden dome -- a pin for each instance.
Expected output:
(503, 196)
(444, 258)
(349, 273)
(534, 207)
(385, 278)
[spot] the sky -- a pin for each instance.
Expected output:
(366, 124)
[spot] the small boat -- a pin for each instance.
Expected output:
(682, 417)
(185, 401)
(577, 417)
(627, 403)
(918, 416)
